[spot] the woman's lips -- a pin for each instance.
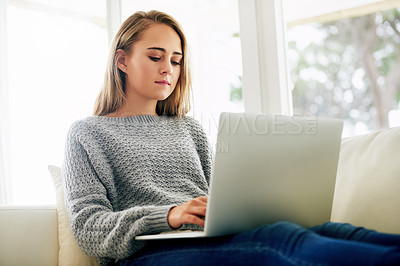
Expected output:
(162, 82)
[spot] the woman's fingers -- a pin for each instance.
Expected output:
(203, 199)
(192, 212)
(193, 219)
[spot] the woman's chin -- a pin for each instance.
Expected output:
(164, 96)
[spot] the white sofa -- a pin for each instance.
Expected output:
(367, 194)
(28, 235)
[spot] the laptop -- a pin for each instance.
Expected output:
(269, 168)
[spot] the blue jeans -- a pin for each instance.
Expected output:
(282, 243)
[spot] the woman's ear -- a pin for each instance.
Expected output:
(121, 58)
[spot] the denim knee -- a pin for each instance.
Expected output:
(277, 234)
(340, 230)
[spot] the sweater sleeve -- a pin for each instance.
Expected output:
(98, 229)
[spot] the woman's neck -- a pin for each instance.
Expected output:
(129, 109)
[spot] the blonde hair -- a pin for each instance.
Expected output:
(112, 94)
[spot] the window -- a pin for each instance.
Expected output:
(57, 52)
(345, 65)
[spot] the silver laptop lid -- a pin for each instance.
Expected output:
(271, 168)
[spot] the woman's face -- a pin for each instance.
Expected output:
(153, 64)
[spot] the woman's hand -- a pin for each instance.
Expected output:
(191, 212)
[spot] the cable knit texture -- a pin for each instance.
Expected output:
(122, 175)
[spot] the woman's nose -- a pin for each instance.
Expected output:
(166, 68)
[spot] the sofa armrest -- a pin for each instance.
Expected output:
(28, 235)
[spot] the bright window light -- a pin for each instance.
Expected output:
(57, 51)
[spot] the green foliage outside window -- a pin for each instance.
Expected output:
(353, 73)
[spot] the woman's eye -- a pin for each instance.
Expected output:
(155, 59)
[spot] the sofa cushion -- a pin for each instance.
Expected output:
(28, 235)
(69, 252)
(367, 191)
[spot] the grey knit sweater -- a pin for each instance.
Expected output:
(123, 174)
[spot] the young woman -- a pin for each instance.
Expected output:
(140, 166)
